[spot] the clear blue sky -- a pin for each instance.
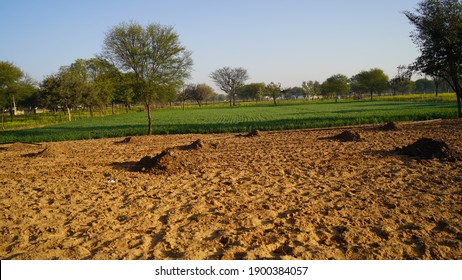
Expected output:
(286, 41)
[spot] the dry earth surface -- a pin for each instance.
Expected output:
(305, 194)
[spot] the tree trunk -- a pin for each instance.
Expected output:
(112, 107)
(371, 95)
(11, 114)
(148, 108)
(459, 100)
(459, 111)
(3, 114)
(69, 116)
(91, 111)
(458, 89)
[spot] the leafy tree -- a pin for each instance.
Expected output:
(401, 83)
(438, 35)
(251, 91)
(154, 55)
(311, 88)
(230, 80)
(124, 84)
(14, 85)
(102, 77)
(273, 90)
(198, 93)
(297, 92)
(372, 81)
(424, 86)
(337, 85)
(64, 89)
(81, 68)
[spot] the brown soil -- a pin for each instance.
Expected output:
(283, 195)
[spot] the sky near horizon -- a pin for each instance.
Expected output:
(286, 41)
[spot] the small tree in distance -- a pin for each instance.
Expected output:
(372, 81)
(230, 80)
(198, 93)
(273, 90)
(311, 88)
(251, 91)
(338, 85)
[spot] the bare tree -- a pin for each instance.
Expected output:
(230, 80)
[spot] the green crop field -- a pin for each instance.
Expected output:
(291, 115)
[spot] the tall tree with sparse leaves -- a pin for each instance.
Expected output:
(438, 35)
(273, 90)
(230, 80)
(153, 54)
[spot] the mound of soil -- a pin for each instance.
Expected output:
(253, 133)
(126, 140)
(20, 147)
(164, 162)
(427, 148)
(198, 144)
(388, 127)
(347, 136)
(169, 160)
(49, 151)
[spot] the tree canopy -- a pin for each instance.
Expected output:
(251, 91)
(154, 55)
(230, 80)
(372, 81)
(273, 90)
(14, 86)
(337, 85)
(198, 93)
(438, 35)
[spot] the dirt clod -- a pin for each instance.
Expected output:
(170, 160)
(126, 140)
(253, 133)
(427, 148)
(49, 151)
(388, 127)
(347, 136)
(198, 144)
(20, 147)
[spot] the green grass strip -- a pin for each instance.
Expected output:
(296, 115)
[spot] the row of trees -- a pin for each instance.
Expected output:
(373, 81)
(146, 64)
